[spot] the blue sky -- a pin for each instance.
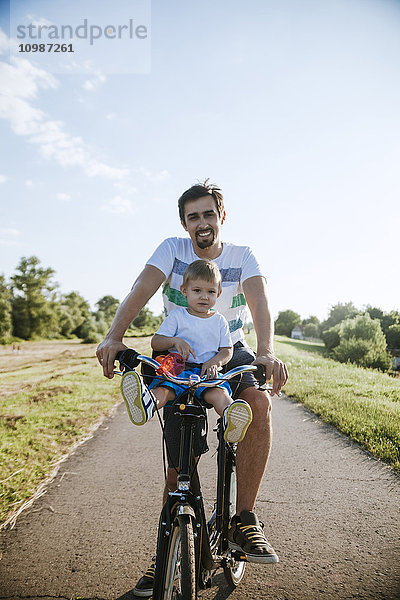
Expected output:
(291, 108)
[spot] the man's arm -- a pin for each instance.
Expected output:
(143, 289)
(255, 291)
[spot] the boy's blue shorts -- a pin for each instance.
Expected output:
(178, 389)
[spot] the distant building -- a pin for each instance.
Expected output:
(396, 363)
(297, 333)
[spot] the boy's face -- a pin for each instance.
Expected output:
(202, 222)
(201, 295)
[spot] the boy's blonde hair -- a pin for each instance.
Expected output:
(203, 269)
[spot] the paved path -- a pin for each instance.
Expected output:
(331, 512)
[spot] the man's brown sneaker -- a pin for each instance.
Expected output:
(246, 535)
(144, 587)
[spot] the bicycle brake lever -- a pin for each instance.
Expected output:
(260, 375)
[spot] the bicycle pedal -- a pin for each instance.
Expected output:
(236, 555)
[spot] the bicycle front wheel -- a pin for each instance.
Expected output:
(233, 569)
(180, 574)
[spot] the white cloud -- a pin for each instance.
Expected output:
(8, 242)
(151, 176)
(20, 83)
(125, 188)
(9, 231)
(3, 178)
(92, 84)
(8, 236)
(63, 197)
(40, 21)
(162, 175)
(111, 116)
(119, 205)
(29, 183)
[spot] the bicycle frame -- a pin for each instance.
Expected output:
(188, 500)
(183, 513)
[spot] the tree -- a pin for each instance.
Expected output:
(5, 308)
(311, 330)
(311, 319)
(389, 319)
(374, 312)
(286, 321)
(73, 312)
(393, 337)
(107, 306)
(311, 327)
(146, 320)
(338, 313)
(34, 308)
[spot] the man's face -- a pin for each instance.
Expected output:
(202, 221)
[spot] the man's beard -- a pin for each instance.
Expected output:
(206, 243)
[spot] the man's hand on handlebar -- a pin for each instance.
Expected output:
(106, 353)
(275, 369)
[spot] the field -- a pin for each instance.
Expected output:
(362, 403)
(53, 395)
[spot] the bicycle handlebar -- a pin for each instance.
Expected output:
(131, 359)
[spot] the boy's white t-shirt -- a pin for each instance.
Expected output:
(236, 263)
(204, 336)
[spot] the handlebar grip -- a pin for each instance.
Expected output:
(260, 374)
(128, 358)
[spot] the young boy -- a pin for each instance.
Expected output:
(201, 336)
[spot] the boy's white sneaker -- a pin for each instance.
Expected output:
(237, 418)
(138, 398)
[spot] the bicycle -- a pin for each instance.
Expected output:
(188, 547)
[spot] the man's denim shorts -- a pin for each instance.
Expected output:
(242, 355)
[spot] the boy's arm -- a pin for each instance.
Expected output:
(255, 291)
(143, 289)
(165, 342)
(211, 366)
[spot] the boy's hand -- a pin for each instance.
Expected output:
(210, 369)
(183, 348)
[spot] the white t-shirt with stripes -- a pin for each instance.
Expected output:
(236, 263)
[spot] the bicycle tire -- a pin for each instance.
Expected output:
(233, 569)
(180, 565)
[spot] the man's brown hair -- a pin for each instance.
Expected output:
(202, 269)
(199, 191)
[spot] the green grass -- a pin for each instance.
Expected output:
(47, 406)
(362, 403)
(54, 393)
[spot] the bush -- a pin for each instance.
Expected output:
(361, 341)
(331, 337)
(92, 337)
(89, 331)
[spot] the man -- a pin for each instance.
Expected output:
(202, 213)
